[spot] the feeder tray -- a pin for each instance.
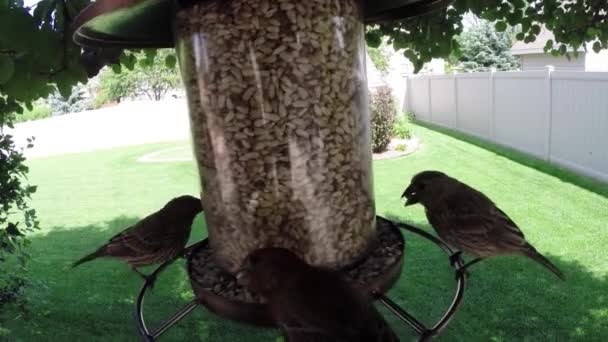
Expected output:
(148, 23)
(217, 290)
(217, 295)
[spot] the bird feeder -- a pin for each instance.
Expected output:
(279, 114)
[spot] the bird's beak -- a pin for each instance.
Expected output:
(404, 194)
(409, 201)
(409, 196)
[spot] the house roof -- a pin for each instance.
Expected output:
(535, 47)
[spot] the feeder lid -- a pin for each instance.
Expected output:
(147, 23)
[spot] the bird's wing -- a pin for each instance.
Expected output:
(506, 222)
(147, 235)
(470, 221)
(468, 202)
(479, 232)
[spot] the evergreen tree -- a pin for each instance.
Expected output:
(483, 48)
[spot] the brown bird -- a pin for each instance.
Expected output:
(310, 303)
(468, 220)
(157, 238)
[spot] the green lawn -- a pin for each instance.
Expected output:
(85, 198)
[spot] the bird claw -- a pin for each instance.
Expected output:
(454, 258)
(462, 270)
(150, 280)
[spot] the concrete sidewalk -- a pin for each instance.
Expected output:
(129, 123)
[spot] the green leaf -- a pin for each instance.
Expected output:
(64, 83)
(29, 106)
(597, 47)
(504, 8)
(123, 58)
(7, 68)
(529, 39)
(143, 63)
(515, 18)
(563, 49)
(116, 68)
(500, 26)
(130, 62)
(17, 28)
(170, 61)
(520, 36)
(48, 56)
(19, 88)
(60, 14)
(525, 24)
(373, 38)
(535, 29)
(491, 14)
(549, 45)
(43, 11)
(518, 3)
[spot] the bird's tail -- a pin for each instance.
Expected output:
(536, 256)
(90, 257)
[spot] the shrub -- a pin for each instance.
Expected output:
(401, 147)
(75, 103)
(402, 128)
(101, 99)
(41, 110)
(17, 218)
(383, 118)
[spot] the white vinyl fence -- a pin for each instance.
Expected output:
(558, 116)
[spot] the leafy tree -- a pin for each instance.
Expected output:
(150, 77)
(155, 74)
(37, 58)
(573, 23)
(482, 48)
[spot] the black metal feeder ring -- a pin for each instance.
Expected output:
(424, 332)
(142, 328)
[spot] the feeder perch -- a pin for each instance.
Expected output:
(278, 104)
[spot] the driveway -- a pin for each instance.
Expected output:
(129, 123)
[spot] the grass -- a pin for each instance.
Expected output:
(85, 198)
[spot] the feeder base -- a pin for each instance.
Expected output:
(219, 292)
